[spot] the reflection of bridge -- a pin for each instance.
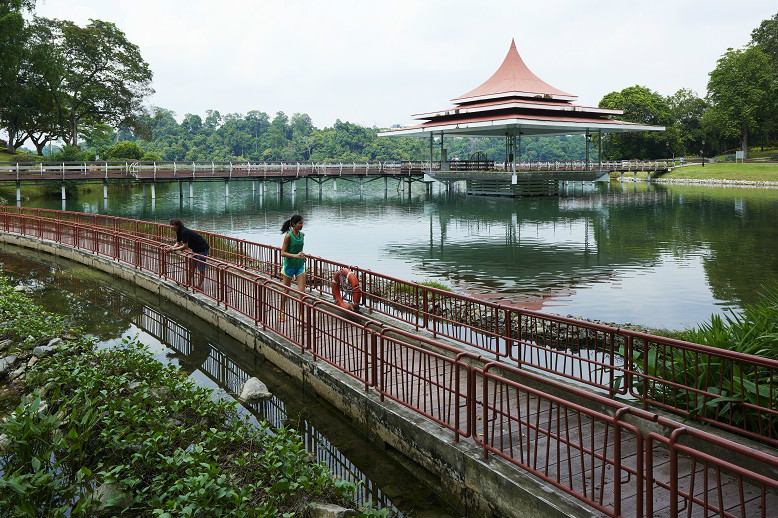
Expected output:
(573, 404)
(221, 369)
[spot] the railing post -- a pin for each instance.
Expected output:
(426, 306)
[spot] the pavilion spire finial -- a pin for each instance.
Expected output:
(514, 79)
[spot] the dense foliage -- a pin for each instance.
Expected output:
(83, 86)
(115, 432)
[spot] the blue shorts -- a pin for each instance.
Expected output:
(292, 272)
(198, 261)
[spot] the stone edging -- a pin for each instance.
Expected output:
(704, 181)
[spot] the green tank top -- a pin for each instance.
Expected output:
(295, 247)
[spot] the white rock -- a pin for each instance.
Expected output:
(330, 511)
(42, 350)
(54, 342)
(6, 363)
(5, 344)
(254, 390)
(19, 287)
(33, 361)
(18, 372)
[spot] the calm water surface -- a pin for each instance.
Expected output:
(660, 256)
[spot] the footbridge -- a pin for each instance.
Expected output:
(283, 173)
(525, 413)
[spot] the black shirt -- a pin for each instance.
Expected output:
(193, 240)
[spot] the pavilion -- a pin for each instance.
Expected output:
(513, 103)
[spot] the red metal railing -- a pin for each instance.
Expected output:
(586, 445)
(734, 391)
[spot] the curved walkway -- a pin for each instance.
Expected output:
(617, 459)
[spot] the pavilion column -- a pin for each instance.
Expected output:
(587, 149)
(441, 150)
(515, 155)
(431, 143)
(599, 150)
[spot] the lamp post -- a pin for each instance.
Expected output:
(702, 153)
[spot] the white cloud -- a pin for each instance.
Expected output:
(379, 62)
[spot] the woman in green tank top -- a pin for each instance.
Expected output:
(292, 252)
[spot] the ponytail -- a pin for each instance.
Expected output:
(291, 221)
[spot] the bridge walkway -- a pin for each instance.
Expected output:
(618, 458)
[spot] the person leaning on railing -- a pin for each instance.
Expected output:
(189, 240)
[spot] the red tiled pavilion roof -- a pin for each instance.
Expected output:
(513, 78)
(514, 101)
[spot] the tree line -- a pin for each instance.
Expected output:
(740, 108)
(84, 87)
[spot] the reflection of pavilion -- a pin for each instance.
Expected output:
(513, 103)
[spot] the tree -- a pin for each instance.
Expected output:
(642, 105)
(766, 37)
(742, 91)
(687, 109)
(17, 93)
(104, 78)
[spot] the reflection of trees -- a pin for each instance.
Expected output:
(735, 230)
(88, 308)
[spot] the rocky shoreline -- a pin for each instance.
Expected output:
(704, 182)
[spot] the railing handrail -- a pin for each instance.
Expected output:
(233, 286)
(614, 363)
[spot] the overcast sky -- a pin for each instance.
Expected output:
(376, 63)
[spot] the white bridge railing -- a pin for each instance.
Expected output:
(184, 170)
(187, 170)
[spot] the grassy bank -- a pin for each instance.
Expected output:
(88, 432)
(747, 172)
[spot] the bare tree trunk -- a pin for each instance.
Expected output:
(744, 139)
(11, 138)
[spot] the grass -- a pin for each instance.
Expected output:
(727, 171)
(5, 156)
(754, 152)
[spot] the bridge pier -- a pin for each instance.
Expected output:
(306, 185)
(253, 186)
(105, 189)
(226, 188)
(63, 191)
(334, 184)
(361, 185)
(294, 186)
(180, 190)
(621, 177)
(143, 185)
(280, 188)
(153, 191)
(18, 192)
(386, 184)
(191, 189)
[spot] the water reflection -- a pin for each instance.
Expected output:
(632, 252)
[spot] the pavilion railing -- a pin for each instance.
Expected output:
(734, 391)
(586, 445)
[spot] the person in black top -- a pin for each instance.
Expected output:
(189, 240)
